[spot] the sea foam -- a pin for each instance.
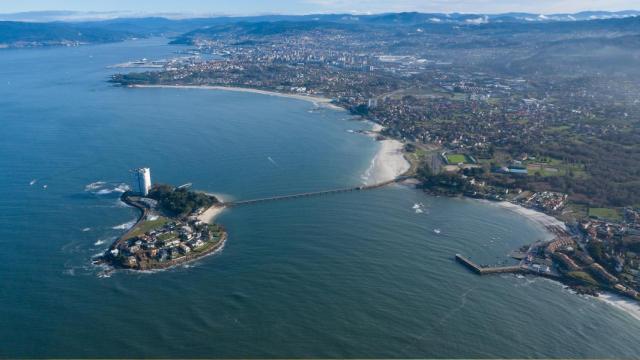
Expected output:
(125, 226)
(103, 188)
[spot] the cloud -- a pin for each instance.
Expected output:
(472, 6)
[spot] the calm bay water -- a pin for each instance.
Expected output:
(351, 275)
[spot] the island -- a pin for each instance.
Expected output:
(173, 228)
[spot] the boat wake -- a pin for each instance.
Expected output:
(272, 161)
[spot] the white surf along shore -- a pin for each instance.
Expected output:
(388, 163)
(627, 305)
(538, 217)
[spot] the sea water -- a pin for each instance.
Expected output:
(358, 274)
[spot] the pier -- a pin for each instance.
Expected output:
(488, 270)
(314, 193)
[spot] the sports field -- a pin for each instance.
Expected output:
(456, 158)
(605, 213)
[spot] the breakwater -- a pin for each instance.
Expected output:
(480, 270)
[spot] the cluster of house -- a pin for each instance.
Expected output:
(563, 251)
(543, 263)
(594, 229)
(546, 201)
(171, 241)
(618, 242)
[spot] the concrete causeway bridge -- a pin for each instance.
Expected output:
(315, 193)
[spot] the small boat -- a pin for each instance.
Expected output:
(437, 231)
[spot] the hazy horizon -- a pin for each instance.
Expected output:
(198, 8)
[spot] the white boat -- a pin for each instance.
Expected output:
(437, 231)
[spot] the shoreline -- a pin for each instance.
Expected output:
(621, 303)
(187, 258)
(211, 213)
(536, 216)
(549, 223)
(387, 164)
(207, 217)
(316, 100)
(389, 161)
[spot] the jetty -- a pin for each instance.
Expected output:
(482, 270)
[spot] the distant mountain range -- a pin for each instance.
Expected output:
(24, 34)
(40, 30)
(405, 17)
(408, 23)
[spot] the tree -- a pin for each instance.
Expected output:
(180, 202)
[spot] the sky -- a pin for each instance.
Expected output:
(253, 7)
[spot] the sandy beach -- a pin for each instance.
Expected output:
(538, 217)
(627, 305)
(389, 161)
(316, 100)
(209, 215)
